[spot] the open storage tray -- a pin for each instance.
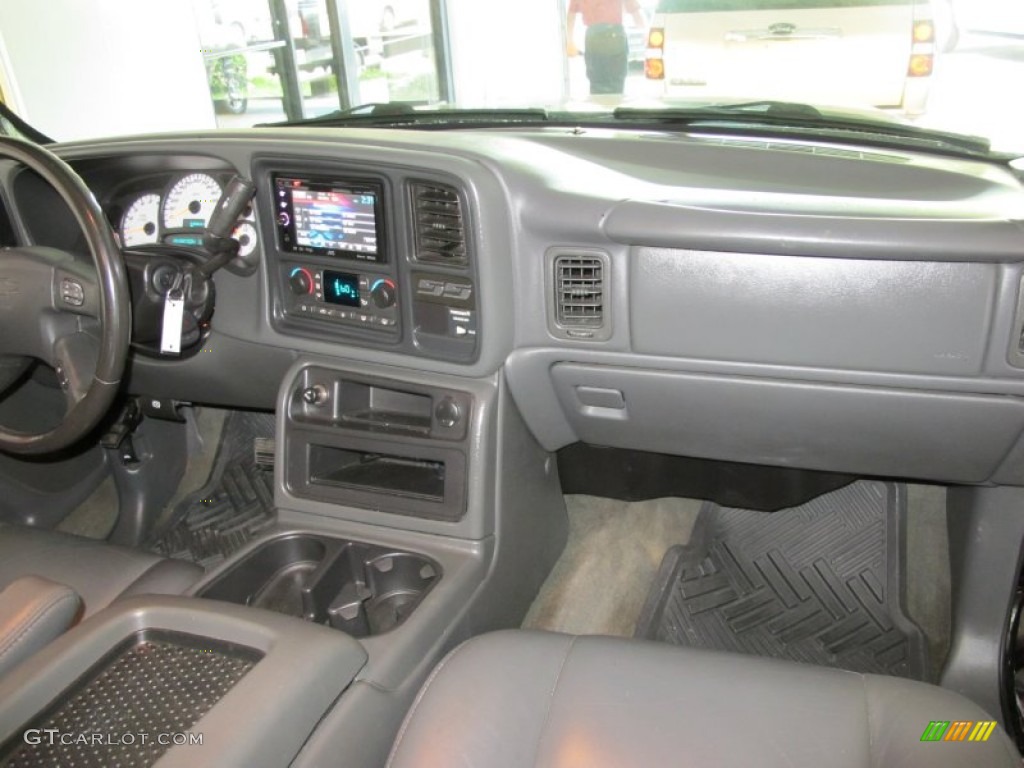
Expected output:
(181, 676)
(358, 588)
(152, 665)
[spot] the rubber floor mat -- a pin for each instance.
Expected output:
(817, 583)
(236, 503)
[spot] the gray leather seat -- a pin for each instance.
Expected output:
(33, 612)
(97, 571)
(539, 699)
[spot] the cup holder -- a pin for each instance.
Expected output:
(358, 588)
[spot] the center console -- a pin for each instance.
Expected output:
(175, 681)
(371, 256)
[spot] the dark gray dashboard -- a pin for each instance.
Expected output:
(785, 303)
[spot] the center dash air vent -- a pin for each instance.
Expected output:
(440, 226)
(580, 294)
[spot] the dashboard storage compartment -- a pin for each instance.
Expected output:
(868, 430)
(370, 471)
(397, 447)
(358, 588)
(377, 406)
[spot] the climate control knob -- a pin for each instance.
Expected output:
(384, 293)
(300, 281)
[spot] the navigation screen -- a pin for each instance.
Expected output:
(329, 218)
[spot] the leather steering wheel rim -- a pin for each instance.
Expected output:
(107, 300)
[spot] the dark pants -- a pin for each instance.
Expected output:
(605, 54)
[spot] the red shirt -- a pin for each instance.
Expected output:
(602, 11)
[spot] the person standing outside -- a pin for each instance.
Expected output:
(605, 47)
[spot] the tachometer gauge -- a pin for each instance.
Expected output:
(245, 234)
(191, 201)
(139, 223)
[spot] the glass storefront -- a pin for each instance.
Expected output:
(272, 60)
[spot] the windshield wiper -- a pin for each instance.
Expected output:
(792, 119)
(776, 119)
(404, 115)
(783, 110)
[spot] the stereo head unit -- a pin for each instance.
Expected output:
(329, 217)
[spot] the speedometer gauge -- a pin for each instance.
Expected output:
(139, 223)
(191, 202)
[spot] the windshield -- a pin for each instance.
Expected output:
(80, 69)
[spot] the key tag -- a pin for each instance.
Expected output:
(174, 315)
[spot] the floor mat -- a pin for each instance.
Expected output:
(818, 583)
(236, 503)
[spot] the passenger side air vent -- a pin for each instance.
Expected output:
(580, 291)
(440, 224)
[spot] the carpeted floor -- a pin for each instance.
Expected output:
(614, 549)
(202, 451)
(96, 516)
(927, 559)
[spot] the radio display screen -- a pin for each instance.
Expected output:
(328, 217)
(341, 288)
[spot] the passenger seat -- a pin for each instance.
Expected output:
(522, 698)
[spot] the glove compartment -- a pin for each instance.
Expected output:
(858, 429)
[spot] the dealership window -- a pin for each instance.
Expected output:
(83, 69)
(142, 66)
(270, 60)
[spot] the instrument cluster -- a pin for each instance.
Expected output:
(177, 214)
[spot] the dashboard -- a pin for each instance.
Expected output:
(789, 303)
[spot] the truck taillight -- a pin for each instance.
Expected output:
(654, 63)
(924, 31)
(921, 65)
(922, 48)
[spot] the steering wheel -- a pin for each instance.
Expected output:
(73, 317)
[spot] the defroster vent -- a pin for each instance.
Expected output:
(440, 224)
(579, 291)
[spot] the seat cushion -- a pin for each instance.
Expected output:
(541, 699)
(97, 571)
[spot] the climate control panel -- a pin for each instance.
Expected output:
(340, 296)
